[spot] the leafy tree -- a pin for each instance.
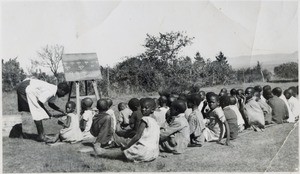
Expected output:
(12, 74)
(219, 71)
(287, 70)
(51, 57)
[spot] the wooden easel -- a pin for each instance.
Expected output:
(78, 97)
(80, 67)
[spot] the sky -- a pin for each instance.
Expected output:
(117, 29)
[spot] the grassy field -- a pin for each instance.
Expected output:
(253, 152)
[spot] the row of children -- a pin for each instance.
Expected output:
(177, 121)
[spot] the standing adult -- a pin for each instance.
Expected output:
(33, 94)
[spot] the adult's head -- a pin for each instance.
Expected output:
(294, 91)
(62, 89)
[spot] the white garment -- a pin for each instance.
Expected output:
(291, 114)
(41, 91)
(88, 117)
(112, 114)
(160, 115)
(240, 120)
(294, 105)
(73, 133)
(146, 148)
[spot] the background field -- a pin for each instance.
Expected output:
(253, 152)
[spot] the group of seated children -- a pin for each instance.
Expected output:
(175, 122)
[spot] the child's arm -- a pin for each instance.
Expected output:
(67, 124)
(169, 130)
(137, 136)
(227, 134)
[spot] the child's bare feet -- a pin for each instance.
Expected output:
(97, 149)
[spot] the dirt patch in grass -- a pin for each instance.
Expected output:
(253, 152)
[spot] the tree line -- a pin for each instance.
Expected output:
(159, 67)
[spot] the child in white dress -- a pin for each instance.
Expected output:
(144, 145)
(71, 132)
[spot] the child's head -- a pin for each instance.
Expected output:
(62, 89)
(86, 103)
(177, 107)
(224, 90)
(225, 101)
(222, 93)
(287, 93)
(233, 92)
(121, 106)
(258, 88)
(232, 100)
(70, 106)
(239, 93)
(202, 95)
(267, 94)
(266, 87)
(277, 91)
(171, 99)
(163, 101)
(109, 102)
(156, 102)
(147, 106)
(193, 100)
(134, 104)
(102, 105)
(209, 94)
(249, 93)
(294, 91)
(213, 101)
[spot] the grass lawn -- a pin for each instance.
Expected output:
(253, 152)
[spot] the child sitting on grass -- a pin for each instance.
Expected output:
(214, 130)
(87, 117)
(175, 136)
(125, 113)
(160, 114)
(280, 112)
(144, 145)
(71, 132)
(102, 127)
(240, 120)
(230, 116)
(195, 120)
(253, 111)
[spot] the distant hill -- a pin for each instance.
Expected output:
(268, 61)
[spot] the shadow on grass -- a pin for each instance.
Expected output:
(111, 155)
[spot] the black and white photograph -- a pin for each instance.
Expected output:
(92, 86)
